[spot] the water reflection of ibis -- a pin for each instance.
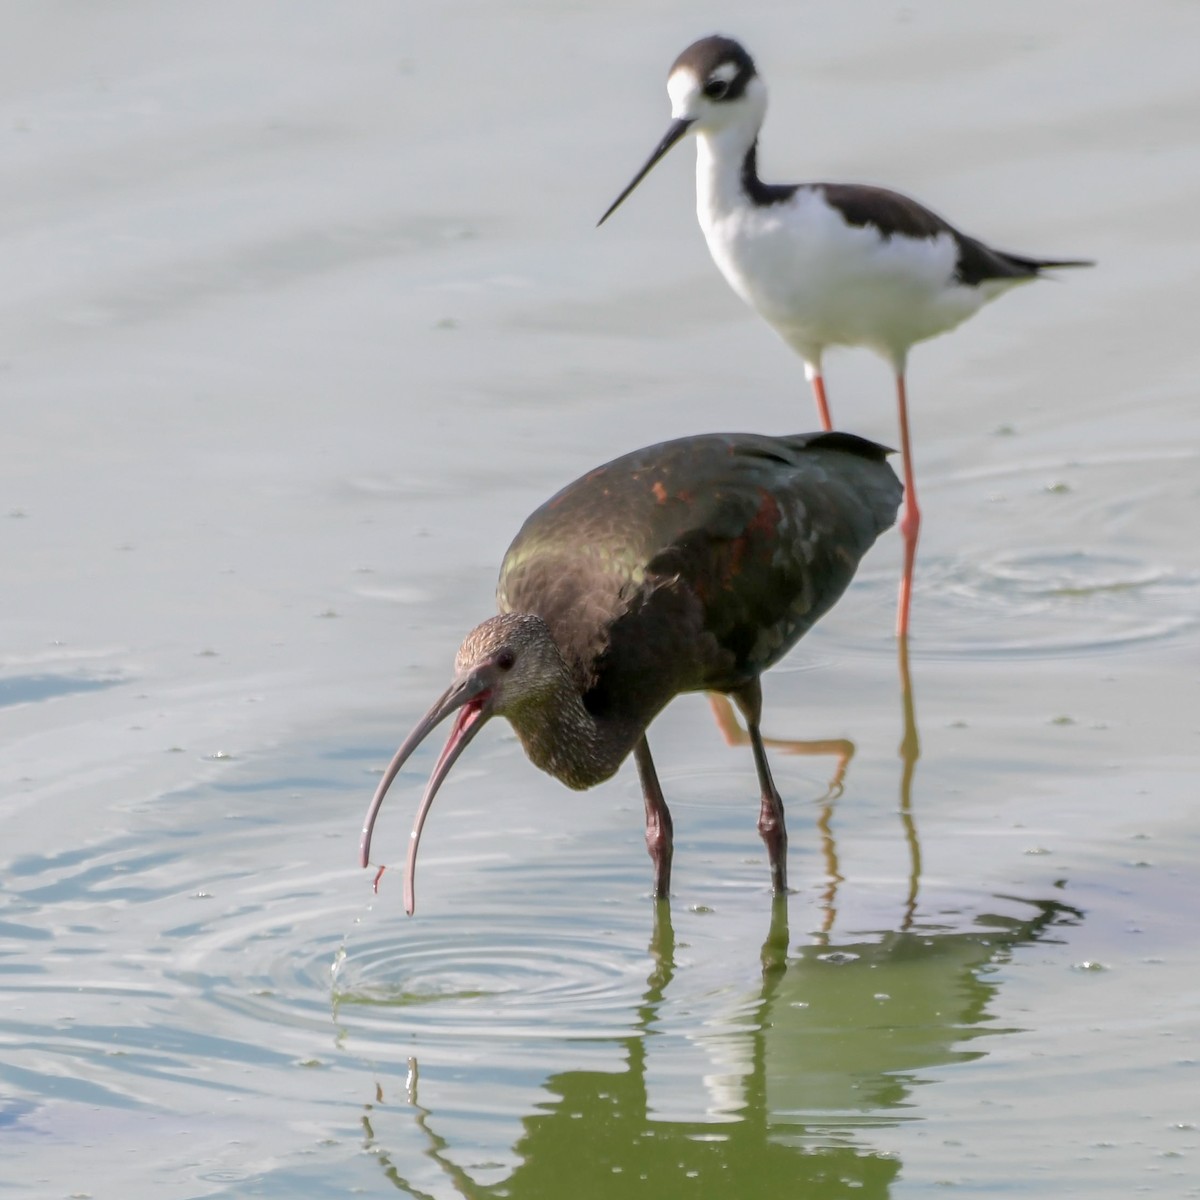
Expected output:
(849, 1026)
(694, 565)
(780, 1098)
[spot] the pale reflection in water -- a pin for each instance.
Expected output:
(786, 1091)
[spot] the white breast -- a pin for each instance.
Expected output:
(821, 282)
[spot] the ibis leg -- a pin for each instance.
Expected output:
(772, 827)
(842, 749)
(910, 519)
(660, 832)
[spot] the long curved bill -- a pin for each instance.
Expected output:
(675, 131)
(474, 709)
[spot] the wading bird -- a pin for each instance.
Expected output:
(693, 565)
(826, 264)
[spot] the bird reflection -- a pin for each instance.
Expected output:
(824, 1051)
(841, 749)
(910, 751)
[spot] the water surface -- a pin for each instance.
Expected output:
(304, 312)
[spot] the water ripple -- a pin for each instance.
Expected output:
(533, 981)
(1076, 583)
(1051, 604)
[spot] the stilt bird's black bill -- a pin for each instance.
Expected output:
(675, 131)
(474, 707)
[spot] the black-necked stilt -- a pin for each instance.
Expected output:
(689, 566)
(827, 264)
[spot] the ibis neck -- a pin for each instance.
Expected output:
(567, 741)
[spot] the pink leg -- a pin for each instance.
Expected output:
(818, 387)
(660, 830)
(910, 519)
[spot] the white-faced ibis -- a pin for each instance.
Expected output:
(693, 565)
(826, 264)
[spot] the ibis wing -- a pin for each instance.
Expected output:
(698, 562)
(777, 548)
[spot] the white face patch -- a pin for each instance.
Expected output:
(690, 103)
(685, 91)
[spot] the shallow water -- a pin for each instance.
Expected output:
(304, 313)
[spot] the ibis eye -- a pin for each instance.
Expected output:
(716, 89)
(505, 660)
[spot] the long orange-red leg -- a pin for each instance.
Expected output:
(910, 519)
(818, 387)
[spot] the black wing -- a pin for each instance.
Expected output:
(892, 214)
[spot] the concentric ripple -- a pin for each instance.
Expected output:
(1102, 560)
(1052, 604)
(267, 967)
(459, 977)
